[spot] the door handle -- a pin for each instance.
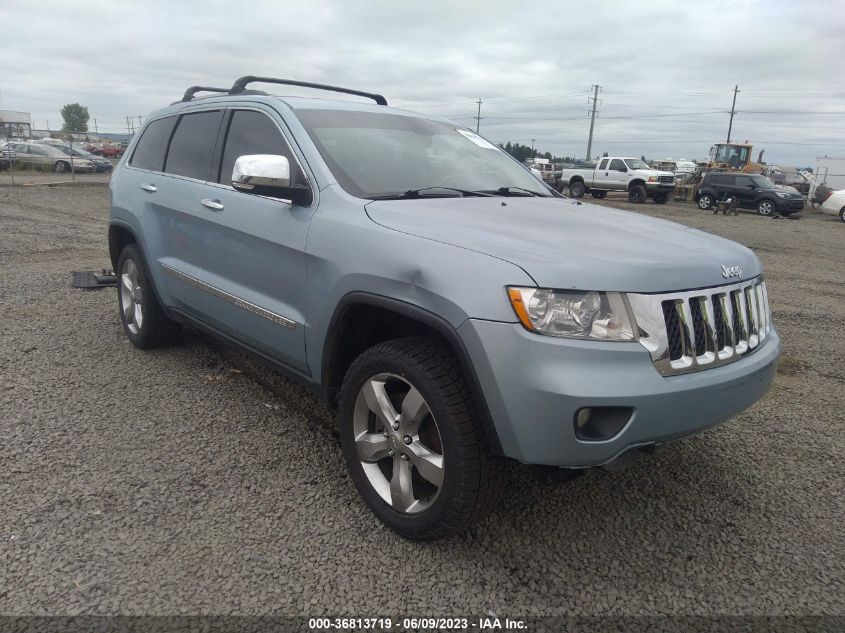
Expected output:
(151, 188)
(214, 205)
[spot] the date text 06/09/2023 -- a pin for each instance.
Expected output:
(490, 623)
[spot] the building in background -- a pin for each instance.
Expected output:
(15, 124)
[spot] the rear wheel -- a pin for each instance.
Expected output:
(660, 198)
(600, 195)
(144, 322)
(412, 442)
(577, 189)
(637, 194)
(766, 207)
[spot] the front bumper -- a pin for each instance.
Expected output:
(663, 187)
(534, 384)
(789, 205)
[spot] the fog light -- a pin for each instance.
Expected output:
(582, 418)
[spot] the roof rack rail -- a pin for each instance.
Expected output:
(190, 92)
(239, 86)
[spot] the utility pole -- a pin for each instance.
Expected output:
(595, 100)
(478, 117)
(96, 131)
(532, 144)
(48, 126)
(139, 121)
(733, 111)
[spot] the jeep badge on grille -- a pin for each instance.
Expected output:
(731, 271)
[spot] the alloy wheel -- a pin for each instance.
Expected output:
(398, 443)
(131, 297)
(704, 202)
(766, 207)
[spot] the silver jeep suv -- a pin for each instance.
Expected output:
(456, 311)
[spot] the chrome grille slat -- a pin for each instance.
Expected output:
(698, 329)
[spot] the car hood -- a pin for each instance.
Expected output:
(562, 243)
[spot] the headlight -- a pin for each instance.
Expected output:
(782, 195)
(652, 179)
(573, 314)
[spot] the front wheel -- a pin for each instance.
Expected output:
(412, 442)
(766, 207)
(660, 198)
(577, 189)
(705, 202)
(637, 194)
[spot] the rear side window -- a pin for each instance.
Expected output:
(252, 132)
(603, 164)
(192, 145)
(149, 153)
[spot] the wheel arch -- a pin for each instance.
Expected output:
(636, 181)
(362, 320)
(119, 236)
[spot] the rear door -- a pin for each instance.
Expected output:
(238, 259)
(601, 175)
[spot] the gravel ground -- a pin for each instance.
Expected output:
(188, 481)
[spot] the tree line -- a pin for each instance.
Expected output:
(523, 152)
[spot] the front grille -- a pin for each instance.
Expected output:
(665, 179)
(695, 330)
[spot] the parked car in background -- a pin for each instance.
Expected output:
(101, 164)
(620, 174)
(106, 150)
(835, 204)
(752, 191)
(48, 157)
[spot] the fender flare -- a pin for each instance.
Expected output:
(429, 319)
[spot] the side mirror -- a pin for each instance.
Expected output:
(268, 175)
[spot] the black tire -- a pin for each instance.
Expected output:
(156, 328)
(660, 198)
(767, 208)
(637, 194)
(577, 189)
(471, 479)
(599, 195)
(61, 167)
(705, 202)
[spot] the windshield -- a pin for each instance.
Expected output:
(636, 163)
(374, 155)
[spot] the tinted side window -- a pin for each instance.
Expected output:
(603, 164)
(192, 145)
(618, 165)
(149, 153)
(722, 181)
(744, 181)
(252, 132)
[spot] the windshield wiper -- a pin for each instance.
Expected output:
(513, 191)
(422, 193)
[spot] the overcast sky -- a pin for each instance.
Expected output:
(666, 69)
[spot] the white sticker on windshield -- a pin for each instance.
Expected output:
(475, 138)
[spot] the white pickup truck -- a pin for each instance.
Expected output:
(614, 173)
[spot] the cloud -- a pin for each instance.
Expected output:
(667, 69)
